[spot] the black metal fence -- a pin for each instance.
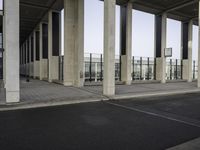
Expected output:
(174, 69)
(1, 63)
(195, 69)
(61, 68)
(143, 68)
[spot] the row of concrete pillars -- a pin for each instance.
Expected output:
(40, 52)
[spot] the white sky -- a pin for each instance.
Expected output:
(143, 32)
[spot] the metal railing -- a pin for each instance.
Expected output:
(174, 69)
(61, 68)
(1, 63)
(143, 68)
(195, 69)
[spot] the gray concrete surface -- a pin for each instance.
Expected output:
(104, 126)
(191, 145)
(40, 92)
(36, 90)
(147, 88)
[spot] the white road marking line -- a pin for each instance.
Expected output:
(153, 114)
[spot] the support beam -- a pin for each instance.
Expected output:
(160, 45)
(54, 41)
(126, 43)
(109, 47)
(180, 5)
(32, 5)
(74, 43)
(186, 46)
(11, 46)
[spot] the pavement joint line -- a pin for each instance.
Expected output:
(151, 94)
(24, 106)
(152, 114)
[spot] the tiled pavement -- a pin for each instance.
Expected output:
(36, 90)
(42, 91)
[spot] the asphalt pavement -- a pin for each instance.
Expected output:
(155, 123)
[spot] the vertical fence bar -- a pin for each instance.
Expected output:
(181, 69)
(140, 68)
(133, 73)
(176, 69)
(62, 67)
(101, 74)
(193, 69)
(170, 69)
(148, 69)
(120, 67)
(90, 67)
(154, 69)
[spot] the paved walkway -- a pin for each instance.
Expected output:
(191, 145)
(147, 89)
(37, 92)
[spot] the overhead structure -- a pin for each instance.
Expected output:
(39, 39)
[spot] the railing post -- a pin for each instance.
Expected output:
(101, 75)
(90, 67)
(120, 65)
(148, 68)
(62, 58)
(181, 69)
(176, 69)
(170, 69)
(133, 73)
(140, 68)
(154, 69)
(193, 69)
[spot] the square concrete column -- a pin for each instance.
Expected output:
(27, 58)
(198, 79)
(36, 54)
(109, 48)
(54, 41)
(126, 43)
(74, 43)
(11, 46)
(43, 51)
(186, 46)
(24, 59)
(160, 45)
(31, 56)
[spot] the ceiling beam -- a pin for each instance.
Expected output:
(180, 5)
(32, 5)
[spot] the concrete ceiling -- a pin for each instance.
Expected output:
(34, 11)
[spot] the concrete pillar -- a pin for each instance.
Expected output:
(54, 41)
(31, 56)
(126, 43)
(198, 79)
(24, 62)
(160, 45)
(74, 43)
(186, 45)
(27, 58)
(11, 46)
(43, 51)
(36, 54)
(109, 48)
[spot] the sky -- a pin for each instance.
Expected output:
(143, 32)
